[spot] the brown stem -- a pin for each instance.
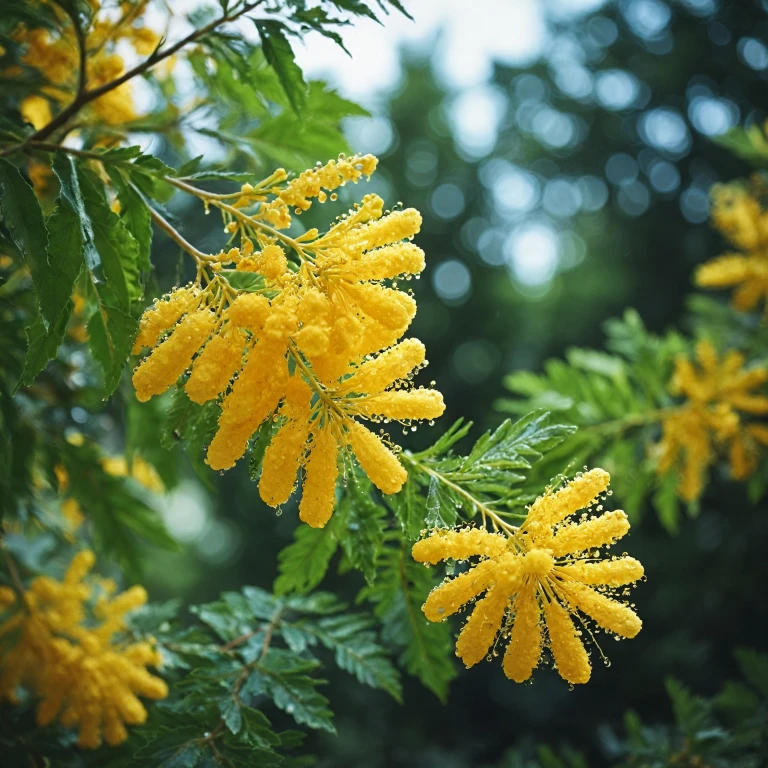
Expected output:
(87, 95)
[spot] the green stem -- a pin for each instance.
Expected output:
(485, 511)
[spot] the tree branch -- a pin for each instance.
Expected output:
(86, 96)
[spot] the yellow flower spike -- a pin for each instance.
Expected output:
(578, 494)
(597, 532)
(169, 360)
(481, 628)
(161, 316)
(36, 110)
(214, 368)
(609, 614)
(284, 453)
(314, 312)
(388, 230)
(719, 393)
(254, 395)
(375, 375)
(449, 597)
(310, 184)
(525, 642)
(571, 659)
(738, 214)
(249, 310)
(386, 263)
(405, 405)
(272, 262)
(378, 462)
(318, 495)
(458, 545)
(615, 573)
(392, 309)
(535, 578)
(73, 666)
(7, 597)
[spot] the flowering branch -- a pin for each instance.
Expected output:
(85, 96)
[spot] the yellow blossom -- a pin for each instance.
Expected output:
(719, 394)
(322, 321)
(536, 581)
(72, 663)
(739, 215)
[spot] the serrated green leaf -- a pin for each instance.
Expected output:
(358, 524)
(43, 344)
(117, 248)
(287, 682)
(20, 211)
(136, 218)
(229, 708)
(110, 337)
(425, 649)
(441, 506)
(303, 564)
(357, 651)
(279, 55)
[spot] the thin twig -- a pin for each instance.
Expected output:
(175, 235)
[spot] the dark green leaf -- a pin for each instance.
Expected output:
(20, 211)
(279, 55)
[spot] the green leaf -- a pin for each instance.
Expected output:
(117, 248)
(71, 202)
(400, 589)
(750, 144)
(357, 651)
(110, 337)
(20, 211)
(692, 713)
(286, 682)
(358, 524)
(667, 503)
(43, 344)
(136, 218)
(187, 756)
(410, 509)
(279, 55)
(119, 519)
(303, 564)
(441, 507)
(231, 714)
(754, 667)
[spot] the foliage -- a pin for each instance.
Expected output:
(725, 730)
(83, 203)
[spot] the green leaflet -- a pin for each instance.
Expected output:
(110, 338)
(21, 214)
(303, 564)
(279, 55)
(117, 248)
(424, 649)
(42, 345)
(136, 218)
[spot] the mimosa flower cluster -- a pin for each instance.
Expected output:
(719, 395)
(66, 654)
(738, 211)
(540, 583)
(314, 346)
(55, 55)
